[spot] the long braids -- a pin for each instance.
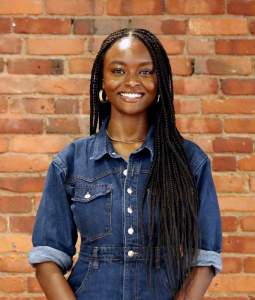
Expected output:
(170, 189)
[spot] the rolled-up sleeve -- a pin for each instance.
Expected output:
(54, 233)
(209, 220)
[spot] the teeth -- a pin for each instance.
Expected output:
(131, 95)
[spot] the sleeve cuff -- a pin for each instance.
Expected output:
(208, 258)
(41, 254)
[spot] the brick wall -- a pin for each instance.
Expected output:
(47, 49)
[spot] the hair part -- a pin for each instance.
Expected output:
(170, 191)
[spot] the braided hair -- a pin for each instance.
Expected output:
(170, 190)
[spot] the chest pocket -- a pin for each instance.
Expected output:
(92, 209)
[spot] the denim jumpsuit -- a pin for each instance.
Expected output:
(93, 190)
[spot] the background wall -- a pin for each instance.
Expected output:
(47, 48)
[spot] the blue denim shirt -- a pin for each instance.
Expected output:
(92, 189)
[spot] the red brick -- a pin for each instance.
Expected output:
(15, 264)
(204, 142)
(252, 183)
(249, 264)
(38, 144)
(55, 46)
(33, 285)
(23, 162)
(199, 125)
(75, 7)
(22, 184)
(80, 65)
(239, 125)
(201, 46)
(35, 66)
(32, 105)
(231, 265)
(43, 25)
(85, 106)
(181, 66)
(248, 223)
(15, 243)
(67, 106)
(186, 106)
(193, 86)
(12, 284)
(224, 66)
(233, 283)
(15, 204)
(63, 125)
(3, 104)
(174, 26)
(22, 224)
(241, 7)
(224, 163)
(230, 183)
(1, 65)
(229, 223)
(233, 144)
(196, 7)
(238, 86)
(10, 45)
(133, 7)
(236, 47)
(228, 106)
(84, 26)
(212, 26)
(32, 7)
(172, 46)
(247, 163)
(3, 226)
(5, 25)
(21, 126)
(107, 26)
(239, 244)
(252, 27)
(4, 143)
(237, 203)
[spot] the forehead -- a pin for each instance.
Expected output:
(128, 49)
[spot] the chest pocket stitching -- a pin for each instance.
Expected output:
(93, 192)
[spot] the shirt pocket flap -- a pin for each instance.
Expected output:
(91, 192)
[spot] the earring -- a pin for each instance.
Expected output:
(158, 98)
(102, 100)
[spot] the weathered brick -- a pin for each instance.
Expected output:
(252, 27)
(3, 104)
(233, 283)
(204, 142)
(10, 45)
(42, 25)
(238, 86)
(239, 125)
(15, 204)
(22, 224)
(230, 183)
(174, 26)
(252, 183)
(63, 125)
(38, 144)
(4, 144)
(212, 26)
(181, 66)
(233, 144)
(241, 7)
(15, 264)
(12, 284)
(249, 264)
(84, 26)
(32, 7)
(22, 184)
(193, 86)
(229, 223)
(238, 204)
(239, 244)
(236, 47)
(21, 126)
(33, 285)
(133, 7)
(231, 265)
(248, 223)
(75, 7)
(172, 46)
(186, 106)
(199, 125)
(224, 163)
(201, 46)
(85, 106)
(107, 26)
(247, 163)
(228, 106)
(15, 243)
(32, 105)
(55, 46)
(80, 65)
(195, 7)
(5, 25)
(67, 106)
(3, 228)
(1, 65)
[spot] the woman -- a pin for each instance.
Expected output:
(141, 196)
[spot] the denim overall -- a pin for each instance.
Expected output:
(92, 189)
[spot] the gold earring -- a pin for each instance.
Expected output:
(102, 100)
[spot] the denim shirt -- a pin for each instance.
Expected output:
(93, 190)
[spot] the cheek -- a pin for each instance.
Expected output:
(150, 85)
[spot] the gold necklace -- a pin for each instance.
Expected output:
(122, 141)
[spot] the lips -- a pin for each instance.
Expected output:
(131, 96)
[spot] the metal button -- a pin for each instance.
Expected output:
(113, 153)
(130, 230)
(131, 253)
(87, 195)
(125, 172)
(130, 210)
(130, 191)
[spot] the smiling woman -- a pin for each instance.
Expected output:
(141, 196)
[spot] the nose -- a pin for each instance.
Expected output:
(132, 81)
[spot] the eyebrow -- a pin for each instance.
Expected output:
(122, 63)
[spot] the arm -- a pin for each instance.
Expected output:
(53, 282)
(196, 284)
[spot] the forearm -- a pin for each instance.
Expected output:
(196, 284)
(53, 282)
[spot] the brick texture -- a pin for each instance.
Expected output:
(47, 50)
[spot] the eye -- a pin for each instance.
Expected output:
(117, 71)
(146, 72)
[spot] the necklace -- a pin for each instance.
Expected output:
(123, 141)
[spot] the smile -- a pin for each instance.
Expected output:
(131, 95)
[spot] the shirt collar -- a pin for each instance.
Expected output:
(103, 144)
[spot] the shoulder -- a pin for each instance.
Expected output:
(195, 155)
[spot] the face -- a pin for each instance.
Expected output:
(129, 79)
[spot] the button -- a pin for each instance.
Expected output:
(113, 153)
(87, 195)
(125, 172)
(130, 210)
(130, 230)
(129, 190)
(131, 253)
